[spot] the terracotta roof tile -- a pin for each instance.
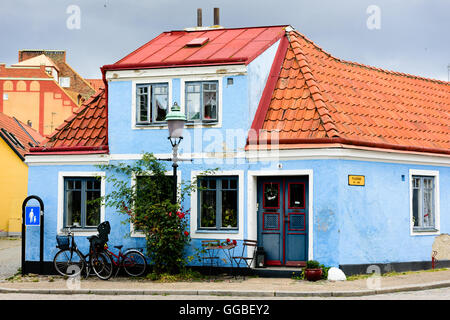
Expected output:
(19, 136)
(87, 128)
(355, 102)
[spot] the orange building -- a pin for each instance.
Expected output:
(32, 96)
(75, 85)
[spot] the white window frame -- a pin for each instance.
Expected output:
(435, 175)
(60, 213)
(200, 124)
(64, 82)
(144, 81)
(137, 234)
(197, 233)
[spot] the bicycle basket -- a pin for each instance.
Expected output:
(63, 242)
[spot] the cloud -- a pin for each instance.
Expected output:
(412, 37)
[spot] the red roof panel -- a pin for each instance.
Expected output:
(223, 46)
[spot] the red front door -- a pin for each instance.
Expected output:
(283, 220)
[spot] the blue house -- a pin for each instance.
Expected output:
(319, 158)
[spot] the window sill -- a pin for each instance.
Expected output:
(425, 231)
(234, 231)
(79, 231)
(150, 125)
(193, 123)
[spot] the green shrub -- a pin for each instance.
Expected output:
(312, 264)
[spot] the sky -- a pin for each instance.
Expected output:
(410, 36)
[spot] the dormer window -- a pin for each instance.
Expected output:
(201, 101)
(151, 103)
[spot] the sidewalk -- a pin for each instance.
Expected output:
(253, 286)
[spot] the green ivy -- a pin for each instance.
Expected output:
(149, 208)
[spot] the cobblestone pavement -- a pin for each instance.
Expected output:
(10, 251)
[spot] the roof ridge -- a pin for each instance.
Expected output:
(315, 91)
(353, 63)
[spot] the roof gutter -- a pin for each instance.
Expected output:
(90, 149)
(177, 63)
(254, 141)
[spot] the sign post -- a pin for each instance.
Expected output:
(33, 216)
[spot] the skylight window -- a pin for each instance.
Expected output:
(197, 42)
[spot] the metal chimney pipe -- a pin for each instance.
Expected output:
(199, 17)
(216, 17)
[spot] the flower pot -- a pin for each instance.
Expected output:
(313, 274)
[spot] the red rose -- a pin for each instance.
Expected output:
(228, 240)
(186, 233)
(234, 242)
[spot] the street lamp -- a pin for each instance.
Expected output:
(175, 122)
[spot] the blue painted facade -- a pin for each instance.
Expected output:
(350, 224)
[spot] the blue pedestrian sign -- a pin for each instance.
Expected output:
(32, 216)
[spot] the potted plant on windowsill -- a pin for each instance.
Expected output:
(313, 271)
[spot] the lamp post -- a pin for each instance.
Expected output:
(175, 122)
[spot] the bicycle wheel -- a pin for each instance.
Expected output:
(134, 263)
(102, 265)
(68, 263)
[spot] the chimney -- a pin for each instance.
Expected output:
(199, 17)
(216, 17)
(2, 66)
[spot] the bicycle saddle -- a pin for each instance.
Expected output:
(118, 247)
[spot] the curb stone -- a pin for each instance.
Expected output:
(234, 293)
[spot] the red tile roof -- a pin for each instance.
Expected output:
(23, 72)
(97, 84)
(18, 135)
(85, 131)
(203, 47)
(322, 99)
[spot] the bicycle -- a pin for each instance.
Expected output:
(70, 261)
(132, 261)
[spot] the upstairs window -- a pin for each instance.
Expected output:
(152, 102)
(201, 101)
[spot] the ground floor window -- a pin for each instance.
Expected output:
(80, 208)
(145, 188)
(218, 203)
(423, 198)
